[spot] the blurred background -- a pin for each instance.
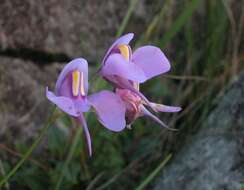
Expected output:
(203, 39)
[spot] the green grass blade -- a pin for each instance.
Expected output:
(69, 157)
(125, 21)
(154, 173)
(31, 149)
(153, 26)
(179, 22)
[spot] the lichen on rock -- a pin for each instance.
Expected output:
(213, 158)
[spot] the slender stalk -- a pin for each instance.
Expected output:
(156, 22)
(3, 173)
(94, 181)
(125, 21)
(69, 157)
(17, 154)
(154, 173)
(31, 149)
(179, 22)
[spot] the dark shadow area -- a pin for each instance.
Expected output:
(37, 56)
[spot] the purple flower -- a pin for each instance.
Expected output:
(126, 70)
(71, 97)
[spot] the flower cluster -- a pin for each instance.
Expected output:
(125, 70)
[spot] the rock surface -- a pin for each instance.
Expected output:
(23, 106)
(75, 27)
(213, 159)
(72, 27)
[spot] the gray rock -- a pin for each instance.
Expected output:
(75, 27)
(23, 105)
(213, 159)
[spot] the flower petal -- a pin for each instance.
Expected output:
(76, 64)
(164, 108)
(82, 105)
(117, 65)
(125, 84)
(151, 60)
(64, 103)
(156, 119)
(125, 39)
(82, 120)
(110, 110)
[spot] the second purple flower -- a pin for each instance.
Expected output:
(126, 70)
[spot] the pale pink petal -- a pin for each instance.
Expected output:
(63, 84)
(149, 114)
(125, 84)
(64, 103)
(164, 108)
(125, 39)
(110, 110)
(117, 65)
(151, 60)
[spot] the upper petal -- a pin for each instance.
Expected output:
(125, 39)
(151, 60)
(63, 82)
(117, 65)
(64, 103)
(110, 110)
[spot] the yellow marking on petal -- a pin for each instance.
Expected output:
(75, 82)
(136, 85)
(82, 85)
(125, 51)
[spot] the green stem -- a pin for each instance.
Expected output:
(154, 173)
(31, 149)
(127, 17)
(179, 22)
(3, 173)
(69, 157)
